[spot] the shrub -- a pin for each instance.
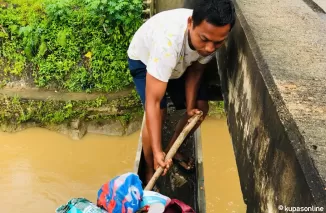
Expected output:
(77, 45)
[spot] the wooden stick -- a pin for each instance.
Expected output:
(193, 120)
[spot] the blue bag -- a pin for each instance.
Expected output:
(122, 194)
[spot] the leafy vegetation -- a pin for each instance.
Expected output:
(76, 45)
(216, 109)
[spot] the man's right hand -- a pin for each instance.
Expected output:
(159, 158)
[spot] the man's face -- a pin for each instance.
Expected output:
(206, 38)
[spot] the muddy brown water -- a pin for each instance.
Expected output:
(41, 170)
(222, 185)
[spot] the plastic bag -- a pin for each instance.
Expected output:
(79, 205)
(151, 200)
(122, 194)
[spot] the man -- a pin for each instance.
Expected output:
(168, 53)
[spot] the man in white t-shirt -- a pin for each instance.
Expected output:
(168, 53)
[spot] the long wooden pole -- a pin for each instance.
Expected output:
(194, 119)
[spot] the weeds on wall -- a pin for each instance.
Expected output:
(76, 45)
(15, 110)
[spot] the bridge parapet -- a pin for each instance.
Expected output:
(273, 76)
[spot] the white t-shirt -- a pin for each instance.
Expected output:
(161, 43)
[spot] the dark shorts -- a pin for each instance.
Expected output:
(175, 88)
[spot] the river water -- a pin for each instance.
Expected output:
(41, 170)
(222, 186)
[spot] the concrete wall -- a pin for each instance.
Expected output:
(162, 5)
(272, 152)
(269, 172)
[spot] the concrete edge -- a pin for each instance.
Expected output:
(315, 6)
(312, 176)
(35, 94)
(200, 172)
(139, 149)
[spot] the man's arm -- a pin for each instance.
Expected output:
(155, 90)
(193, 76)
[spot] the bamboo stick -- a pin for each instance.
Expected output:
(194, 119)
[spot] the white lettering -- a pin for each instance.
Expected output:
(300, 208)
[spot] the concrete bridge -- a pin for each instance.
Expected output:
(272, 76)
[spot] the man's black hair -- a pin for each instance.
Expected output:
(215, 12)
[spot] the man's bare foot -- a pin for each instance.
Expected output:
(187, 165)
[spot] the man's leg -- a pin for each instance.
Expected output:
(147, 149)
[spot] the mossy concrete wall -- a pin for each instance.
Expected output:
(73, 114)
(162, 5)
(272, 71)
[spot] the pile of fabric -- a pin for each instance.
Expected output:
(124, 194)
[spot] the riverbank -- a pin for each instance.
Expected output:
(74, 114)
